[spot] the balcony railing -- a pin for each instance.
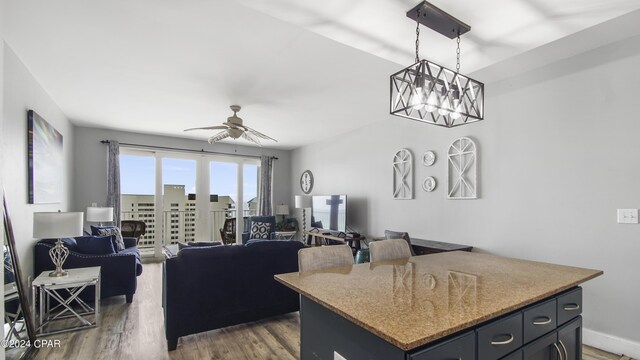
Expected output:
(179, 225)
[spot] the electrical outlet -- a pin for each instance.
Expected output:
(627, 216)
(337, 356)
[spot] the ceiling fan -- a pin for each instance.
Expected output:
(234, 129)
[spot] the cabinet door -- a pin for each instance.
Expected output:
(500, 337)
(544, 348)
(570, 339)
(462, 347)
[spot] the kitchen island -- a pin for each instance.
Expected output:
(455, 305)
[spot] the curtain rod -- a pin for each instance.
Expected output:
(201, 151)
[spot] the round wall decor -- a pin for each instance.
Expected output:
(306, 181)
(429, 184)
(429, 158)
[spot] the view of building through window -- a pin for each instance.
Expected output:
(180, 207)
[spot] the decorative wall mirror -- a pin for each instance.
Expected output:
(462, 169)
(403, 175)
(19, 334)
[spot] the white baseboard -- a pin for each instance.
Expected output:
(611, 343)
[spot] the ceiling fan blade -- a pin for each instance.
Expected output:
(217, 127)
(259, 134)
(246, 136)
(219, 136)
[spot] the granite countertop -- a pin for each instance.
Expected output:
(412, 302)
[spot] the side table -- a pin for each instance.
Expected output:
(64, 291)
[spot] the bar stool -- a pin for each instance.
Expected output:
(324, 257)
(389, 250)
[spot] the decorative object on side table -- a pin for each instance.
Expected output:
(283, 210)
(99, 214)
(403, 175)
(57, 225)
(429, 158)
(429, 184)
(306, 181)
(303, 202)
(462, 169)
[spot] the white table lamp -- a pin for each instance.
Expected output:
(57, 225)
(303, 202)
(99, 214)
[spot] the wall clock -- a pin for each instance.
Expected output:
(306, 181)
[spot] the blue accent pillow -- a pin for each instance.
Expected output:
(118, 243)
(95, 245)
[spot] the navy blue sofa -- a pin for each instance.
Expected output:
(118, 273)
(207, 288)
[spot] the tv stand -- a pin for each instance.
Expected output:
(319, 237)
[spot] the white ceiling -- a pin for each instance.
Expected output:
(302, 70)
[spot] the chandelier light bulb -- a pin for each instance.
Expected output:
(432, 102)
(457, 108)
(417, 101)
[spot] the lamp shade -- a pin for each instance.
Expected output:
(303, 201)
(282, 210)
(99, 214)
(57, 224)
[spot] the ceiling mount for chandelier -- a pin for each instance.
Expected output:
(431, 93)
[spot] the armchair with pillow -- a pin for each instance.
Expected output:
(119, 268)
(260, 227)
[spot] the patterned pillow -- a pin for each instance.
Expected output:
(260, 230)
(119, 243)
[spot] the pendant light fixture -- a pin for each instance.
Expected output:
(431, 93)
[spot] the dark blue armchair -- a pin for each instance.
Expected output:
(271, 220)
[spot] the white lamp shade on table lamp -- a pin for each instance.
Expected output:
(99, 214)
(303, 201)
(282, 210)
(57, 224)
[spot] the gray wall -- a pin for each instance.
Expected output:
(91, 161)
(1, 148)
(21, 93)
(559, 153)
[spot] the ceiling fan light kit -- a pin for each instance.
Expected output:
(234, 128)
(431, 93)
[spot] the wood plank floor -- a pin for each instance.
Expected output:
(136, 331)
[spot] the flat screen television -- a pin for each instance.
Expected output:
(329, 212)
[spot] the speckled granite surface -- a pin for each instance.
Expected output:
(411, 303)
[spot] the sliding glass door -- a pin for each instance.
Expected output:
(138, 189)
(185, 197)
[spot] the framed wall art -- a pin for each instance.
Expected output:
(45, 161)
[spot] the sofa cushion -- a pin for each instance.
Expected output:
(109, 230)
(95, 245)
(260, 230)
(69, 243)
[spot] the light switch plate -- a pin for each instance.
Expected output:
(627, 216)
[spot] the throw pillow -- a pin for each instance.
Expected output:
(95, 245)
(260, 230)
(110, 230)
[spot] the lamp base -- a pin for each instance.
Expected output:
(58, 273)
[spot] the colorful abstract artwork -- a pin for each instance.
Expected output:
(45, 161)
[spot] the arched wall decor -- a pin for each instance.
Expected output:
(403, 175)
(462, 169)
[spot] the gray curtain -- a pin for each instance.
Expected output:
(265, 195)
(113, 181)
